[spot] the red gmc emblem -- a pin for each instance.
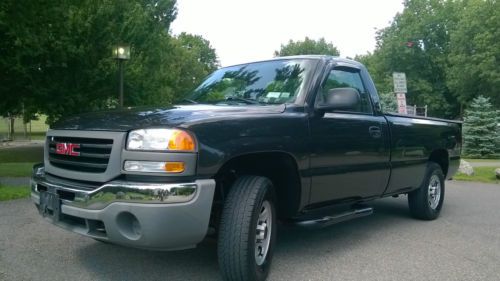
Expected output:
(67, 148)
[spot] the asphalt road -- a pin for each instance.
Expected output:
(463, 244)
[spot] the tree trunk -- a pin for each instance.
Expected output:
(11, 128)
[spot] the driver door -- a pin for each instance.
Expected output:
(350, 149)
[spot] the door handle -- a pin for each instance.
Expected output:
(375, 131)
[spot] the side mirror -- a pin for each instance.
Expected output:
(340, 99)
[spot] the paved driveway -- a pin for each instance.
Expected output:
(463, 244)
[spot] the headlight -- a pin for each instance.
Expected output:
(160, 140)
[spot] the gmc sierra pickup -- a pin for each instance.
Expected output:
(299, 139)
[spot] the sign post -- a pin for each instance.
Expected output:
(399, 79)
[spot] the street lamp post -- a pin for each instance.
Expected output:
(121, 53)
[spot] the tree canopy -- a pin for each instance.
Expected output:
(448, 49)
(56, 55)
(307, 47)
(474, 57)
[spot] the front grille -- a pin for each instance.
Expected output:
(93, 154)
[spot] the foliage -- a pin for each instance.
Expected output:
(16, 169)
(474, 53)
(481, 174)
(388, 102)
(481, 129)
(21, 154)
(448, 50)
(14, 192)
(493, 161)
(307, 47)
(201, 50)
(198, 59)
(56, 55)
(416, 43)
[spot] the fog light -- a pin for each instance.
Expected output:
(129, 226)
(153, 167)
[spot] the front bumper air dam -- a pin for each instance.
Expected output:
(155, 216)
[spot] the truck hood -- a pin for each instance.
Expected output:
(174, 116)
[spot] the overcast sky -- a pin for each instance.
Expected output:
(243, 31)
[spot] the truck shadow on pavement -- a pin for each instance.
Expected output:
(294, 244)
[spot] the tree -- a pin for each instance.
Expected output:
(417, 43)
(196, 58)
(307, 47)
(377, 69)
(473, 67)
(388, 102)
(201, 50)
(448, 50)
(56, 55)
(14, 89)
(481, 129)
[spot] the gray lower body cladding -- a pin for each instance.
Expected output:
(142, 215)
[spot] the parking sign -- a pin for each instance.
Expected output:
(399, 79)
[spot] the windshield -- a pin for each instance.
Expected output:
(261, 83)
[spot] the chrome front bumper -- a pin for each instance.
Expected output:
(157, 216)
(115, 191)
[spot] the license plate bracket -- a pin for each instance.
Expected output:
(50, 205)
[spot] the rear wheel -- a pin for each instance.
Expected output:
(426, 202)
(247, 230)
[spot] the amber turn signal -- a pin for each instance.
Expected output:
(174, 167)
(181, 140)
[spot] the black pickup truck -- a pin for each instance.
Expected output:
(298, 139)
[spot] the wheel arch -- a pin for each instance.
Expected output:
(280, 167)
(440, 156)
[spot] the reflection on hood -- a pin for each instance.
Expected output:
(174, 116)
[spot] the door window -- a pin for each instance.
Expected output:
(344, 77)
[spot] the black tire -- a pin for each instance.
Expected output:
(422, 205)
(237, 233)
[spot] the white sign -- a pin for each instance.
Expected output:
(399, 79)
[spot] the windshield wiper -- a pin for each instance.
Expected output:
(188, 100)
(248, 101)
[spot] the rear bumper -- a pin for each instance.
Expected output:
(153, 216)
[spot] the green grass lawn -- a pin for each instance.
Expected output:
(21, 154)
(16, 169)
(38, 135)
(18, 161)
(14, 192)
(481, 160)
(481, 174)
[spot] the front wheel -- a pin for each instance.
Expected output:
(247, 230)
(426, 202)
